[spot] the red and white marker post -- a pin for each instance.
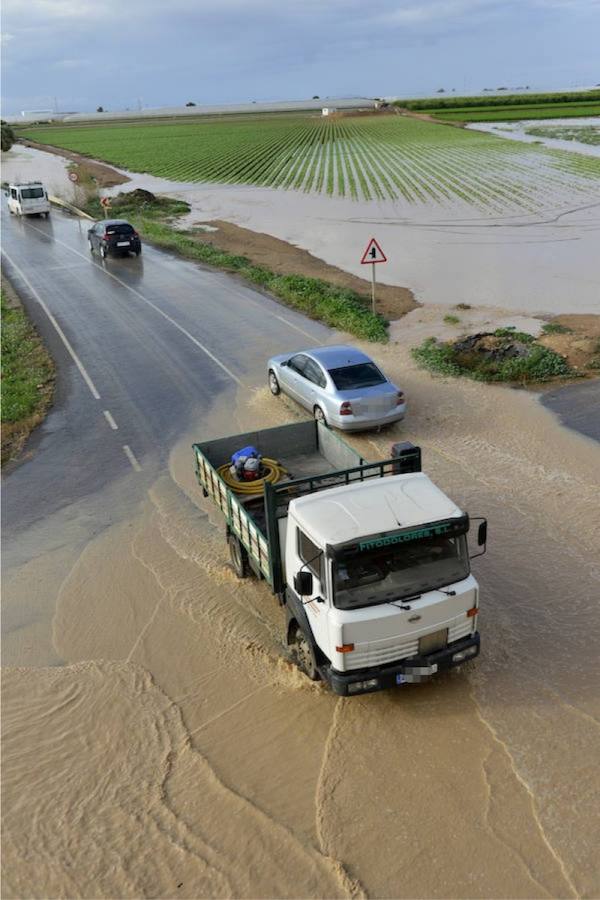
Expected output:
(373, 254)
(105, 204)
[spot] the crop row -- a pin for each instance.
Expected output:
(369, 158)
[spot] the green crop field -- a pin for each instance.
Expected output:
(369, 158)
(515, 113)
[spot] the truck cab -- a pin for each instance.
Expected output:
(379, 584)
(28, 199)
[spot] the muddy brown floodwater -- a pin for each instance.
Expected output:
(178, 753)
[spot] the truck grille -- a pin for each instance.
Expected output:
(378, 653)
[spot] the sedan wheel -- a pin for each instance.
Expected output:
(103, 252)
(273, 383)
(90, 245)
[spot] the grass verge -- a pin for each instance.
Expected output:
(27, 376)
(336, 306)
(504, 355)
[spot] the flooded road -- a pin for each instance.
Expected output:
(183, 755)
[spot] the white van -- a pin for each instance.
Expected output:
(28, 199)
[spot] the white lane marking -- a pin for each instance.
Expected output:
(297, 327)
(110, 420)
(59, 330)
(131, 457)
(53, 268)
(150, 303)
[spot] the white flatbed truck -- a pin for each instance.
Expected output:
(368, 559)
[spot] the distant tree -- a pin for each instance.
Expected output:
(99, 109)
(8, 136)
(316, 97)
(441, 91)
(190, 103)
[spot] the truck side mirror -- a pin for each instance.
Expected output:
(481, 537)
(303, 583)
(482, 534)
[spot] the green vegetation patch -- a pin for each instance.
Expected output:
(517, 113)
(360, 157)
(501, 99)
(504, 355)
(584, 134)
(138, 203)
(27, 377)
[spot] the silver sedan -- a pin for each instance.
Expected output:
(341, 386)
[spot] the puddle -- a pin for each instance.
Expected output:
(518, 131)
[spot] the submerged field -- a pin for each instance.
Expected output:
(369, 158)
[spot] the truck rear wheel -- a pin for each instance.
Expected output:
(239, 557)
(305, 655)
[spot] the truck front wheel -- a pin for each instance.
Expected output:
(304, 655)
(239, 558)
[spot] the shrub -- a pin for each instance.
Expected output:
(451, 320)
(556, 328)
(8, 136)
(540, 364)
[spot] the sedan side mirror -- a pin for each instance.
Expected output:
(303, 583)
(286, 362)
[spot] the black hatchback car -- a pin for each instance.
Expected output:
(114, 236)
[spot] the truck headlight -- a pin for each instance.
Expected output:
(355, 687)
(464, 654)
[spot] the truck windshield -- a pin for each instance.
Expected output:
(32, 193)
(387, 574)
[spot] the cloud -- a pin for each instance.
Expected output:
(233, 50)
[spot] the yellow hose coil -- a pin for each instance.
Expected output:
(274, 473)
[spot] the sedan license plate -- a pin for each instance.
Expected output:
(123, 243)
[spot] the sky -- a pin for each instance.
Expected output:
(76, 55)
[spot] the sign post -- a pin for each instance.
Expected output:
(105, 204)
(373, 254)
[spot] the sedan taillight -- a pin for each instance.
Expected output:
(400, 398)
(346, 408)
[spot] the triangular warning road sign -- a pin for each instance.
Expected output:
(373, 253)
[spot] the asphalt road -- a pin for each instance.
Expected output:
(144, 348)
(577, 406)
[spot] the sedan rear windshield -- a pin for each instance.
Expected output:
(361, 375)
(32, 193)
(119, 229)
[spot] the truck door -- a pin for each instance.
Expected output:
(309, 557)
